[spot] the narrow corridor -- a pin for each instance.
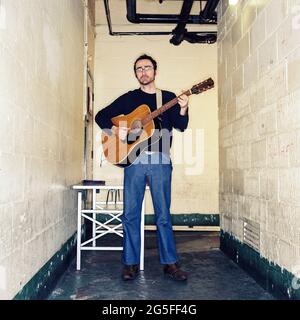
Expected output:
(235, 168)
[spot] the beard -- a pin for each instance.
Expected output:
(145, 80)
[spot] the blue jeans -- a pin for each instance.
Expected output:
(158, 168)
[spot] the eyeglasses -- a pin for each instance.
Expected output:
(145, 68)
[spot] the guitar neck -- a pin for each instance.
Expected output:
(163, 108)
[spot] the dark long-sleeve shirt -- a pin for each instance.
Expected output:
(129, 101)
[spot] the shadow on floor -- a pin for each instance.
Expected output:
(212, 275)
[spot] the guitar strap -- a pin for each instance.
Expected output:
(159, 101)
(158, 98)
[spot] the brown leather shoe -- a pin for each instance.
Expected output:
(130, 272)
(174, 272)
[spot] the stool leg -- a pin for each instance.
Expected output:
(116, 195)
(142, 236)
(79, 203)
(107, 197)
(119, 195)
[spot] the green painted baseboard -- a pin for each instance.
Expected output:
(43, 282)
(190, 219)
(270, 276)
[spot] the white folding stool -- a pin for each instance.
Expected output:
(100, 229)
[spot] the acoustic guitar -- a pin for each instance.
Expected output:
(143, 129)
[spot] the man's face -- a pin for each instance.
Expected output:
(144, 72)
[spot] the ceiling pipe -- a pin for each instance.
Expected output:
(196, 34)
(208, 38)
(209, 12)
(180, 33)
(180, 30)
(134, 17)
(192, 37)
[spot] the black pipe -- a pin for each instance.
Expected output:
(154, 33)
(192, 37)
(108, 19)
(180, 30)
(208, 38)
(113, 33)
(159, 33)
(134, 17)
(208, 12)
(131, 11)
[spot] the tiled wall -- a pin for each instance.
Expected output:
(41, 133)
(259, 115)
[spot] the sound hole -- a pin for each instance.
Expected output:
(135, 131)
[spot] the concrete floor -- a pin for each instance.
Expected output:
(212, 275)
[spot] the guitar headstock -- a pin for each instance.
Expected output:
(203, 86)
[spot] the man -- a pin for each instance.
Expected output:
(152, 166)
